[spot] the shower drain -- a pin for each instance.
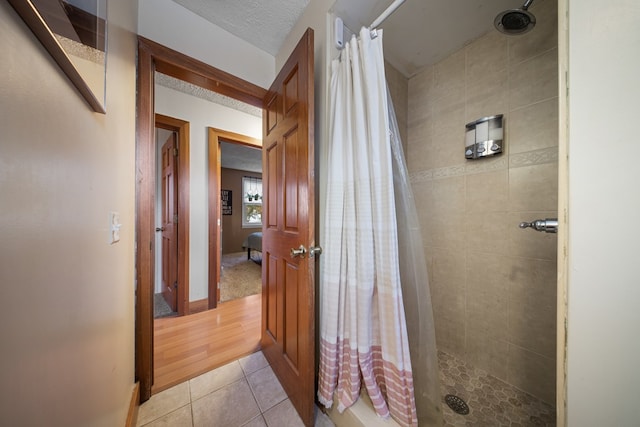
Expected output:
(458, 405)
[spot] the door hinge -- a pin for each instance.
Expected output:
(175, 152)
(175, 285)
(175, 218)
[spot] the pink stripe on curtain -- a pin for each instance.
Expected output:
(390, 388)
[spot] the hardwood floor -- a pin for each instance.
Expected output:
(187, 346)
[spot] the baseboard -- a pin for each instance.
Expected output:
(134, 404)
(198, 306)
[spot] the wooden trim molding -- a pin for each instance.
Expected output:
(216, 136)
(134, 404)
(198, 306)
(181, 127)
(155, 57)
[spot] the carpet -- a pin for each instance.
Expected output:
(240, 277)
(161, 308)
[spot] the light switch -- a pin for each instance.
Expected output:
(114, 227)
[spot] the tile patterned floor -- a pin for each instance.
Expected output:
(244, 393)
(492, 403)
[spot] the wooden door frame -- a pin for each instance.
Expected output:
(216, 136)
(181, 128)
(155, 57)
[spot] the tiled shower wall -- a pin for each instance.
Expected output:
(493, 285)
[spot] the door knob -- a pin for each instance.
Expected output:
(299, 252)
(160, 229)
(314, 250)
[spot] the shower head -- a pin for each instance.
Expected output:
(515, 21)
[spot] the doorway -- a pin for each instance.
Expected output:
(218, 137)
(172, 215)
(154, 57)
(288, 296)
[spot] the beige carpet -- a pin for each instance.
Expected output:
(240, 277)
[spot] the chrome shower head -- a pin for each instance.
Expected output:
(515, 21)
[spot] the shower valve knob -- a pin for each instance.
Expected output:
(549, 225)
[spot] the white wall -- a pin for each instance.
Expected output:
(604, 202)
(67, 316)
(172, 25)
(201, 114)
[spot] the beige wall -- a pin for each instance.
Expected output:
(67, 295)
(399, 90)
(232, 232)
(493, 285)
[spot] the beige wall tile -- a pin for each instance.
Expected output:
(501, 316)
(542, 38)
(420, 145)
(533, 127)
(448, 299)
(446, 231)
(488, 96)
(486, 56)
(449, 77)
(532, 373)
(420, 101)
(448, 195)
(533, 188)
(422, 195)
(532, 305)
(485, 232)
(428, 255)
(448, 136)
(528, 243)
(487, 352)
(487, 192)
(486, 294)
(533, 80)
(398, 87)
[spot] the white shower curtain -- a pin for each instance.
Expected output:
(363, 334)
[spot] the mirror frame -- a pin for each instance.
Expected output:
(30, 15)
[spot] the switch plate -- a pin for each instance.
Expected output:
(114, 227)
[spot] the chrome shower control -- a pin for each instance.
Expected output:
(549, 225)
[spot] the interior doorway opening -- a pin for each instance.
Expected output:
(154, 57)
(171, 284)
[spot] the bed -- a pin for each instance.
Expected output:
(253, 242)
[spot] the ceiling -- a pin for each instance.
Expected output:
(418, 34)
(236, 156)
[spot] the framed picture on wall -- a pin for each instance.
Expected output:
(227, 206)
(75, 34)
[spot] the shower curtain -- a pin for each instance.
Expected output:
(363, 332)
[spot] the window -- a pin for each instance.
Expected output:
(251, 202)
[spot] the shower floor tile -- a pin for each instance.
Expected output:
(491, 401)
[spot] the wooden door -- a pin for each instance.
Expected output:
(288, 296)
(169, 222)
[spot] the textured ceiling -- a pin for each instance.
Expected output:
(422, 32)
(264, 24)
(418, 34)
(241, 157)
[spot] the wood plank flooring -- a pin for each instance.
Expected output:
(185, 347)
